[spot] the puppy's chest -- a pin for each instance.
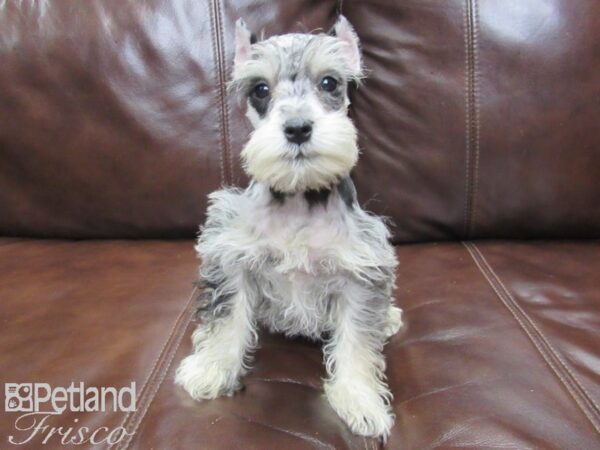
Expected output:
(305, 241)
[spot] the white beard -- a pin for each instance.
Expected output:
(329, 155)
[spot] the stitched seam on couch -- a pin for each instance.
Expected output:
(552, 357)
(471, 30)
(220, 80)
(157, 373)
(224, 95)
(370, 444)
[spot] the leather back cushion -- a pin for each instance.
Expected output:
(478, 119)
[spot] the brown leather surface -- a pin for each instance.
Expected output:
(556, 287)
(465, 373)
(114, 120)
(478, 118)
(500, 349)
(410, 114)
(90, 311)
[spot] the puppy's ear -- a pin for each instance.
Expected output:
(243, 40)
(345, 33)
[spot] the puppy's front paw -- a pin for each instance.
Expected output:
(363, 410)
(207, 379)
(393, 321)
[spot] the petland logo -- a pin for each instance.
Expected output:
(39, 402)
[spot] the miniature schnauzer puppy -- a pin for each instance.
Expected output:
(294, 252)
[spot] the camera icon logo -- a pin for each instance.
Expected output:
(18, 397)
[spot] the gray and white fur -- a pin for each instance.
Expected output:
(294, 252)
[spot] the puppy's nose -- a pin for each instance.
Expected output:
(297, 131)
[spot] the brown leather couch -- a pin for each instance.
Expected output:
(479, 125)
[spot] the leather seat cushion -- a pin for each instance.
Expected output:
(500, 347)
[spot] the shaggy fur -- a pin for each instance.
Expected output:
(294, 252)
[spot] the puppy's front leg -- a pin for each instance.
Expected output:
(221, 346)
(357, 388)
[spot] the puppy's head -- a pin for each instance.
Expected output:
(295, 86)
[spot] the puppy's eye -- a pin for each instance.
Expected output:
(261, 90)
(328, 84)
